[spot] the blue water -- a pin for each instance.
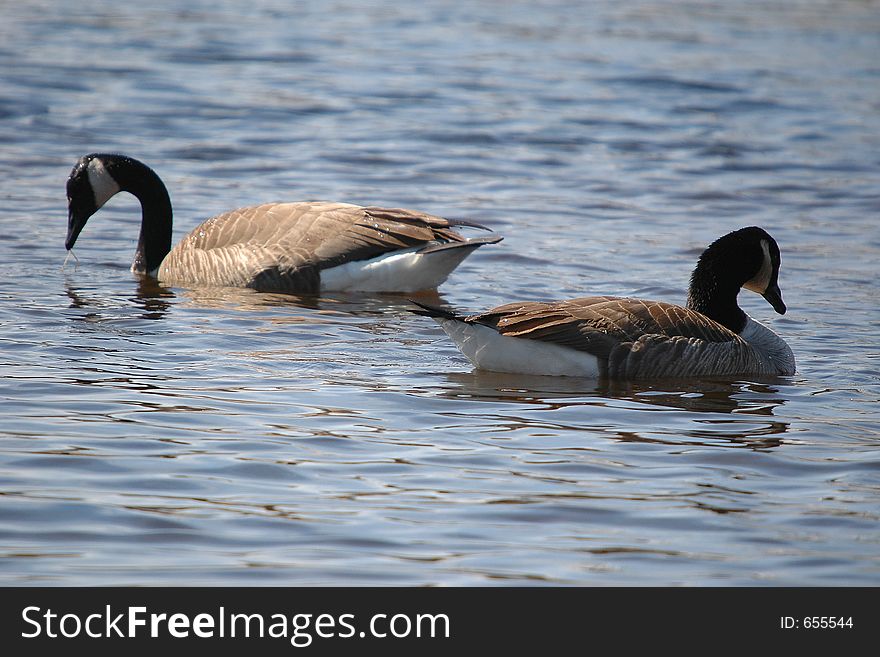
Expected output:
(173, 436)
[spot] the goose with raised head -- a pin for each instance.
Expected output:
(299, 248)
(626, 338)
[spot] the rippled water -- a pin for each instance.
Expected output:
(173, 436)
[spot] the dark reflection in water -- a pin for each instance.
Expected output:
(587, 399)
(153, 299)
(696, 395)
(349, 303)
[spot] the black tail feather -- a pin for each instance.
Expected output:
(471, 243)
(428, 310)
(466, 222)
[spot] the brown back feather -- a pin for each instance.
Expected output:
(283, 246)
(635, 338)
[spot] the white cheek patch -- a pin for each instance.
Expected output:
(102, 183)
(759, 282)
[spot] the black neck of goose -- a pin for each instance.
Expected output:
(154, 242)
(714, 296)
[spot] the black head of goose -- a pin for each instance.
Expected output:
(300, 248)
(625, 338)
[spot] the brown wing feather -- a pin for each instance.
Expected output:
(283, 246)
(620, 318)
(635, 338)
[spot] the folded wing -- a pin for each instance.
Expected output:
(632, 337)
(284, 246)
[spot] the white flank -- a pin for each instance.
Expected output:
(487, 349)
(102, 183)
(400, 271)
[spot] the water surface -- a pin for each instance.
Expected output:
(170, 436)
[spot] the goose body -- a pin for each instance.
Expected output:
(626, 338)
(300, 247)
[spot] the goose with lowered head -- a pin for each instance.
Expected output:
(625, 338)
(299, 248)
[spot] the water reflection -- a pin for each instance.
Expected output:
(153, 299)
(245, 299)
(230, 298)
(156, 300)
(695, 395)
(565, 404)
